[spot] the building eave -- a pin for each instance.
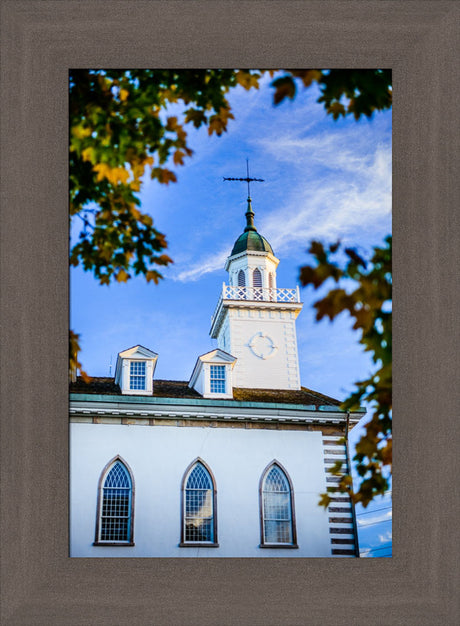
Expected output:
(244, 253)
(203, 408)
(223, 305)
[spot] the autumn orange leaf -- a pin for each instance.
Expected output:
(247, 80)
(178, 157)
(122, 276)
(152, 275)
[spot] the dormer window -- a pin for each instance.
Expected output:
(217, 378)
(212, 375)
(134, 371)
(137, 375)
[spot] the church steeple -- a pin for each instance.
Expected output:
(254, 320)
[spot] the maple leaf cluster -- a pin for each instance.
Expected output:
(366, 295)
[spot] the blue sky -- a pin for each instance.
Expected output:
(323, 179)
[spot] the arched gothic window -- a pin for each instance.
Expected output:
(115, 505)
(256, 278)
(277, 508)
(199, 522)
(241, 279)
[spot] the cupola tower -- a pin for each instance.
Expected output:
(255, 319)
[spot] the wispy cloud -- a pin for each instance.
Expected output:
(347, 191)
(385, 537)
(365, 552)
(373, 552)
(375, 519)
(209, 264)
(340, 188)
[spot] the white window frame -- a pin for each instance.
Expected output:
(197, 544)
(125, 382)
(218, 379)
(263, 542)
(137, 377)
(129, 541)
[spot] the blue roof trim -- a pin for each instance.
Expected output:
(152, 400)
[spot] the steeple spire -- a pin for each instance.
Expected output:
(263, 342)
(249, 212)
(249, 217)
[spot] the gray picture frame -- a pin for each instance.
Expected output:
(41, 40)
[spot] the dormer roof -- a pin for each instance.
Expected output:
(217, 357)
(140, 351)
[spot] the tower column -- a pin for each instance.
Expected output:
(255, 325)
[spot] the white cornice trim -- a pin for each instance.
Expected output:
(223, 305)
(259, 253)
(305, 417)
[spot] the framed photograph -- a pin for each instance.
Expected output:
(42, 582)
(205, 399)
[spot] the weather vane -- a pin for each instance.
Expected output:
(247, 179)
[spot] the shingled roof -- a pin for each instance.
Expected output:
(180, 389)
(301, 396)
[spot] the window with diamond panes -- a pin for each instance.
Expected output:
(116, 506)
(199, 526)
(137, 375)
(217, 378)
(277, 522)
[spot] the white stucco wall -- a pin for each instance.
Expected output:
(280, 370)
(158, 457)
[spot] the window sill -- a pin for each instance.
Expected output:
(280, 546)
(127, 544)
(198, 545)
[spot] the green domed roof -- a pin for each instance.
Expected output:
(250, 239)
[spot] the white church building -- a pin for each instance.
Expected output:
(230, 463)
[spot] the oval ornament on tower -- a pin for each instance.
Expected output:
(262, 346)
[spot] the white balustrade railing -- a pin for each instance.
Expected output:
(267, 294)
(257, 294)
